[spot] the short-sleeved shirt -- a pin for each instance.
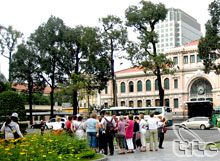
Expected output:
(91, 125)
(121, 127)
(153, 123)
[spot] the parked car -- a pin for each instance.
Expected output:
(49, 124)
(197, 123)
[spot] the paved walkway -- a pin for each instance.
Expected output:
(166, 154)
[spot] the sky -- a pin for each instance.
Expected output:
(26, 15)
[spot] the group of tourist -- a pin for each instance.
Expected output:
(129, 133)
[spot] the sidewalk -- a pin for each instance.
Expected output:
(166, 154)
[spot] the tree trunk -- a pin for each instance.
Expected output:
(161, 90)
(9, 70)
(114, 102)
(75, 93)
(52, 103)
(30, 87)
(75, 102)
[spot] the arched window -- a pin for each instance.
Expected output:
(139, 86)
(131, 104)
(131, 87)
(148, 85)
(166, 83)
(122, 87)
(122, 103)
(139, 103)
(156, 85)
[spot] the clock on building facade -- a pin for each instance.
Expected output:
(201, 87)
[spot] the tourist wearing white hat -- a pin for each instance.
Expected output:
(10, 127)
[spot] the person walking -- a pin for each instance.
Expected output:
(108, 125)
(92, 130)
(153, 125)
(121, 135)
(129, 134)
(42, 127)
(10, 127)
(143, 132)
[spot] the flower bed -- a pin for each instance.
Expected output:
(48, 147)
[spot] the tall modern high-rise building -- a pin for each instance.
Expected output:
(177, 29)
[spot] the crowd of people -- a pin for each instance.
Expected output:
(129, 132)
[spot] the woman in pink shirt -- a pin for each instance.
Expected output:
(129, 134)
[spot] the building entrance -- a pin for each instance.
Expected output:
(199, 108)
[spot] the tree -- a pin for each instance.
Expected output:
(144, 53)
(209, 46)
(82, 52)
(114, 39)
(26, 70)
(8, 42)
(2, 78)
(11, 102)
(48, 40)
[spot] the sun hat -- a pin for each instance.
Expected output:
(14, 115)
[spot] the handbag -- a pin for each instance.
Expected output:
(164, 129)
(16, 136)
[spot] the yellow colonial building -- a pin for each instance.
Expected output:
(189, 91)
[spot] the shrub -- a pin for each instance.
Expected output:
(11, 102)
(48, 147)
(218, 125)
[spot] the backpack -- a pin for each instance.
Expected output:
(109, 126)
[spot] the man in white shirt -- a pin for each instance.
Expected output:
(109, 136)
(153, 124)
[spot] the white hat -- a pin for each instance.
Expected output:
(14, 115)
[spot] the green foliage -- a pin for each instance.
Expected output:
(40, 99)
(114, 39)
(8, 42)
(48, 42)
(11, 102)
(143, 19)
(4, 87)
(218, 125)
(209, 45)
(48, 147)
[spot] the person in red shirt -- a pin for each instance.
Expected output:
(68, 124)
(129, 134)
(116, 129)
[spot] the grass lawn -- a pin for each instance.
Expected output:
(97, 156)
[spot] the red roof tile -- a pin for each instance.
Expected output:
(20, 87)
(196, 42)
(129, 70)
